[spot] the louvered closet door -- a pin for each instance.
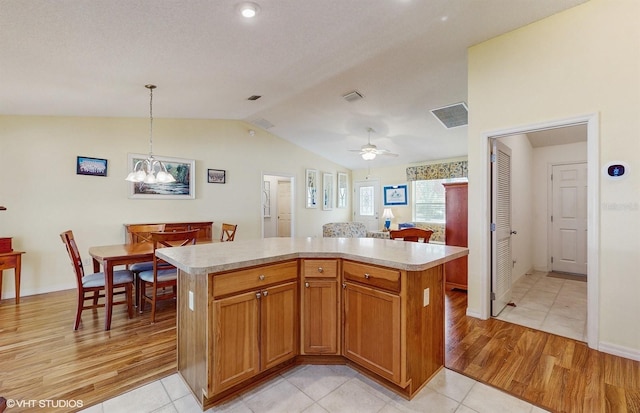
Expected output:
(501, 262)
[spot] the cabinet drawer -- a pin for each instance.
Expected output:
(370, 275)
(320, 268)
(253, 278)
(8, 262)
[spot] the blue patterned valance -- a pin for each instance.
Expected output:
(448, 170)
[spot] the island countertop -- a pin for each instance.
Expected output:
(227, 256)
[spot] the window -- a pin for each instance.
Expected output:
(428, 200)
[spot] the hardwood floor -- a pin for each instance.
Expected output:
(41, 357)
(556, 373)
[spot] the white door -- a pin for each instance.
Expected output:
(501, 263)
(569, 218)
(284, 209)
(366, 200)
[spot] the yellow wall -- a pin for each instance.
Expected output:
(582, 61)
(44, 196)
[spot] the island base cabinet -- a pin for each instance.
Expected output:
(278, 321)
(235, 340)
(320, 312)
(253, 332)
(372, 330)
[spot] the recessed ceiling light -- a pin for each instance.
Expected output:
(249, 10)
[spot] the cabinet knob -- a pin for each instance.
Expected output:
(258, 295)
(265, 293)
(367, 275)
(306, 285)
(261, 277)
(320, 269)
(344, 285)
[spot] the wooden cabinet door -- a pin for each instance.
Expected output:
(320, 317)
(235, 340)
(372, 330)
(279, 324)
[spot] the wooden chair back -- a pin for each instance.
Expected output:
(171, 239)
(411, 234)
(74, 254)
(228, 232)
(142, 233)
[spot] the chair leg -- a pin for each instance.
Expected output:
(79, 310)
(142, 286)
(95, 298)
(128, 289)
(153, 304)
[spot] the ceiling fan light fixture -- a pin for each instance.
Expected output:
(248, 10)
(368, 156)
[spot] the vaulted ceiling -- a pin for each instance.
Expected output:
(405, 57)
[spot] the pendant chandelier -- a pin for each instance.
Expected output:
(150, 170)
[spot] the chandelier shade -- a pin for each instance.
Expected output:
(150, 170)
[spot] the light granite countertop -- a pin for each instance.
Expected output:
(225, 256)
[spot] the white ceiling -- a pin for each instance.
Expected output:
(93, 58)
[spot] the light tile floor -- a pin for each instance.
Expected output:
(322, 389)
(553, 305)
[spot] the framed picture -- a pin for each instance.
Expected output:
(266, 199)
(327, 191)
(395, 195)
(91, 166)
(216, 176)
(343, 190)
(183, 170)
(311, 188)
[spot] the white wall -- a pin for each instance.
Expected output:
(582, 61)
(44, 196)
(543, 159)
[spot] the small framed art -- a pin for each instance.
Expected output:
(216, 176)
(91, 166)
(395, 195)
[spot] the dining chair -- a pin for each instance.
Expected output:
(94, 284)
(228, 232)
(140, 234)
(163, 274)
(411, 234)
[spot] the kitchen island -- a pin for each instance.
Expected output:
(247, 310)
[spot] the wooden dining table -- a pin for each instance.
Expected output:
(110, 256)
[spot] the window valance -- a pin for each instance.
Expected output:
(447, 170)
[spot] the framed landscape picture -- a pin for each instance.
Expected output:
(216, 176)
(183, 170)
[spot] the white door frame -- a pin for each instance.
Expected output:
(292, 178)
(593, 217)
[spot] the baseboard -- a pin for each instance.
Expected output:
(474, 314)
(616, 350)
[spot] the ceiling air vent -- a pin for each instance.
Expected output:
(263, 123)
(353, 96)
(254, 97)
(452, 116)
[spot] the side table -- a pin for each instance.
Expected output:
(10, 260)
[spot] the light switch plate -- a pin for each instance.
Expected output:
(425, 299)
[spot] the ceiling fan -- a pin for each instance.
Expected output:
(370, 151)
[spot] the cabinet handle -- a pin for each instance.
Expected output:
(258, 295)
(264, 293)
(344, 285)
(261, 277)
(320, 269)
(306, 285)
(367, 275)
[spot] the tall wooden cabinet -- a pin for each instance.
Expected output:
(320, 307)
(456, 201)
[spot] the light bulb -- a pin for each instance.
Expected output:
(369, 156)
